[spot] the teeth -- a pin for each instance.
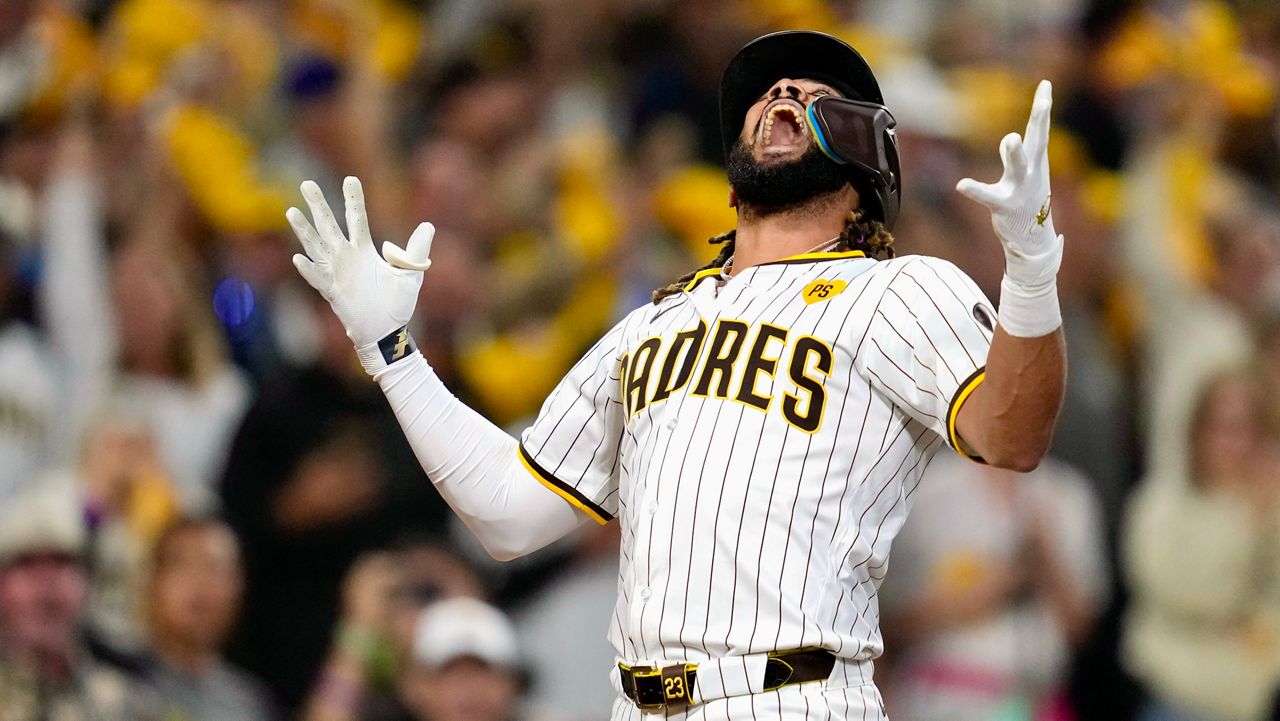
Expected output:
(798, 117)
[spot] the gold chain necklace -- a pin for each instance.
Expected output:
(726, 271)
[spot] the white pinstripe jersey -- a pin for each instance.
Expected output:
(759, 441)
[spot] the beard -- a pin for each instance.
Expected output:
(782, 187)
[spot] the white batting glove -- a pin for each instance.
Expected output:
(374, 298)
(1020, 213)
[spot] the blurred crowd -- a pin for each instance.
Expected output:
(207, 511)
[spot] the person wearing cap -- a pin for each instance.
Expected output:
(383, 597)
(464, 666)
(46, 672)
(759, 429)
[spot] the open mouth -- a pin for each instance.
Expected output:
(783, 126)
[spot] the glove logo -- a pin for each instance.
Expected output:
(396, 345)
(402, 344)
(1043, 215)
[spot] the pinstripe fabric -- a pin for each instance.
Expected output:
(759, 498)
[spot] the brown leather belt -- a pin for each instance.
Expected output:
(671, 687)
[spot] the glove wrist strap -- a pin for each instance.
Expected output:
(394, 346)
(1029, 311)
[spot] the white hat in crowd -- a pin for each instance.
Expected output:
(464, 627)
(45, 518)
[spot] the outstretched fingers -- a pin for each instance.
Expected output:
(357, 218)
(312, 273)
(325, 223)
(980, 192)
(1037, 135)
(1014, 158)
(312, 243)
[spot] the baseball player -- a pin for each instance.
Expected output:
(758, 430)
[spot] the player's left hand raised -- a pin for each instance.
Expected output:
(372, 297)
(1020, 201)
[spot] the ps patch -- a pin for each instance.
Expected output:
(822, 289)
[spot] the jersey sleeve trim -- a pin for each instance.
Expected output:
(966, 389)
(562, 489)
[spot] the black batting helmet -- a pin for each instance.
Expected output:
(858, 134)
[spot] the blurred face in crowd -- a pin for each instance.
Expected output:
(42, 599)
(147, 306)
(1246, 257)
(322, 123)
(449, 185)
(464, 689)
(116, 454)
(775, 165)
(490, 110)
(429, 573)
(14, 15)
(1229, 431)
(25, 155)
(196, 586)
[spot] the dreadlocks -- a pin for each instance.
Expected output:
(868, 236)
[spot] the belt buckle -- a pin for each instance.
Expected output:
(648, 688)
(659, 689)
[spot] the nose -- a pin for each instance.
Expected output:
(786, 88)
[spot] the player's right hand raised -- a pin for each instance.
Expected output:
(372, 297)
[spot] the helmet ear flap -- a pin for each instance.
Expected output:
(890, 192)
(869, 201)
(860, 136)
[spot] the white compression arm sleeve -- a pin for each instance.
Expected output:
(474, 464)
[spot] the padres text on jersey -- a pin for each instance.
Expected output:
(759, 441)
